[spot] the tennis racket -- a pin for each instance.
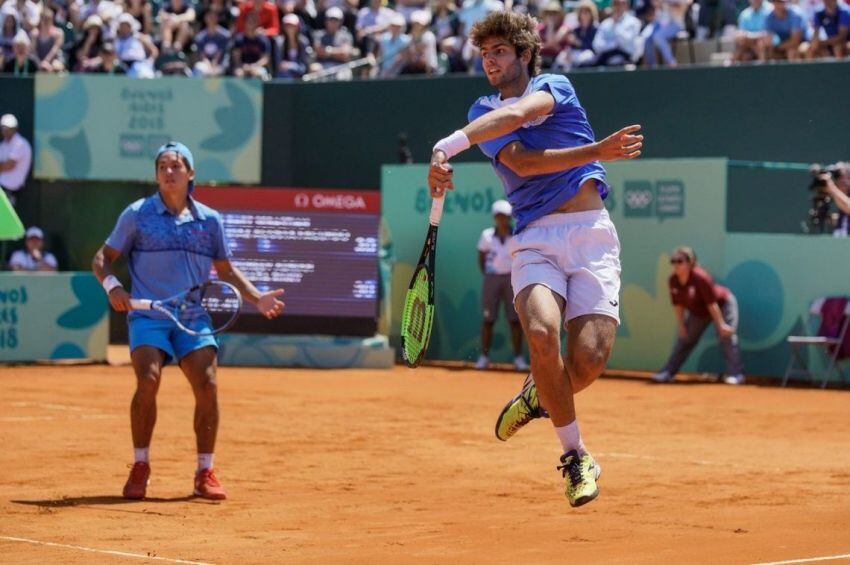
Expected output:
(220, 300)
(418, 315)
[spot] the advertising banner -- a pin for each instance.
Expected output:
(220, 120)
(49, 316)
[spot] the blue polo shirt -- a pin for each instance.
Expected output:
(168, 254)
(832, 22)
(535, 196)
(794, 20)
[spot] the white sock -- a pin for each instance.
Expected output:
(570, 437)
(142, 454)
(205, 461)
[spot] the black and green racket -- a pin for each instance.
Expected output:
(418, 315)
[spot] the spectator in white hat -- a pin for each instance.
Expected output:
(33, 257)
(15, 157)
(294, 51)
(135, 49)
(22, 63)
(421, 55)
(393, 45)
(334, 44)
(88, 46)
(494, 260)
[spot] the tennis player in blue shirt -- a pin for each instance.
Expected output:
(565, 252)
(171, 241)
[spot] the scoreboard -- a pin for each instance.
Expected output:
(320, 246)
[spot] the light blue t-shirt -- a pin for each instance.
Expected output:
(782, 28)
(755, 20)
(168, 254)
(536, 196)
(392, 49)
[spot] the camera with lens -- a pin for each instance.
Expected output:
(819, 214)
(817, 171)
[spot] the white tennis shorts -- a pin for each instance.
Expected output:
(576, 255)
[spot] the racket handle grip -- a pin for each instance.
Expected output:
(436, 210)
(140, 303)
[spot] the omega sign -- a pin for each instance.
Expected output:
(321, 201)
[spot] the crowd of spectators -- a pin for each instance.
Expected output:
(290, 38)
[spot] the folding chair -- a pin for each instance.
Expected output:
(829, 345)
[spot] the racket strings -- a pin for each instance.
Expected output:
(416, 316)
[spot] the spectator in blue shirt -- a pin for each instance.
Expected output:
(392, 46)
(832, 25)
(786, 27)
(212, 46)
(752, 30)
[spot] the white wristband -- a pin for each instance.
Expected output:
(110, 283)
(453, 144)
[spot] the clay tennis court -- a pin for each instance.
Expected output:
(358, 466)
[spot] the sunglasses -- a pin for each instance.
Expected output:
(677, 261)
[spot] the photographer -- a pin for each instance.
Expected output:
(836, 184)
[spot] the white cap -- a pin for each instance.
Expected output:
(34, 232)
(502, 207)
(291, 19)
(9, 121)
(421, 17)
(334, 13)
(397, 20)
(93, 21)
(21, 38)
(127, 18)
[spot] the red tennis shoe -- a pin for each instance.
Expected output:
(207, 485)
(137, 484)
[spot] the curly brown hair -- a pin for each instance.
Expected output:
(520, 30)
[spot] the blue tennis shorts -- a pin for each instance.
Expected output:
(165, 335)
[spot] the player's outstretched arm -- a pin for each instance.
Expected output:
(621, 145)
(266, 302)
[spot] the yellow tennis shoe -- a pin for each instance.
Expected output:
(520, 410)
(580, 473)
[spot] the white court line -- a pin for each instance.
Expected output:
(49, 406)
(104, 551)
(807, 560)
(50, 418)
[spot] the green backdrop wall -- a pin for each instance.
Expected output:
(775, 113)
(656, 205)
(339, 134)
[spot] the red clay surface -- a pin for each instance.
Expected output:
(361, 466)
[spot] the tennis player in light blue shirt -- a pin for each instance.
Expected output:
(168, 254)
(171, 242)
(565, 253)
